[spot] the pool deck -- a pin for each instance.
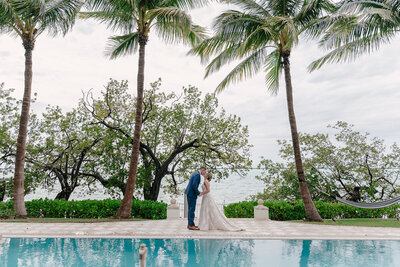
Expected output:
(176, 228)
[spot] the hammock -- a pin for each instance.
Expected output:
(375, 205)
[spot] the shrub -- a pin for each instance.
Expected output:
(144, 209)
(294, 210)
(6, 210)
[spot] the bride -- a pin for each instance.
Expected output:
(211, 217)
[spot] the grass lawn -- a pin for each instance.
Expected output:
(362, 222)
(66, 220)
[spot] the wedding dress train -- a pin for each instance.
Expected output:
(211, 217)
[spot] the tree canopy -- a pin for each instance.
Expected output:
(180, 132)
(349, 165)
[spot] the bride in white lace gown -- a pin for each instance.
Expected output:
(211, 217)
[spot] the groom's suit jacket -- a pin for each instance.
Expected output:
(192, 190)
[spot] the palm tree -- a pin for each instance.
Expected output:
(356, 28)
(28, 19)
(135, 18)
(262, 34)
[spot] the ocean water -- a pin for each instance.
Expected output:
(230, 190)
(44, 252)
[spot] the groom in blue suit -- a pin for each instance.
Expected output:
(192, 192)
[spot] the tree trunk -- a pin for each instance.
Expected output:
(125, 209)
(151, 192)
(148, 185)
(64, 194)
(2, 190)
(19, 176)
(311, 211)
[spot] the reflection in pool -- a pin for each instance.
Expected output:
(197, 252)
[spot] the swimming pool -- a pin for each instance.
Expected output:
(197, 252)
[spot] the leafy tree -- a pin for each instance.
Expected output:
(281, 181)
(262, 34)
(179, 133)
(356, 28)
(135, 18)
(352, 166)
(9, 121)
(63, 150)
(28, 19)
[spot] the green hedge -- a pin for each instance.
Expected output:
(285, 211)
(144, 209)
(6, 210)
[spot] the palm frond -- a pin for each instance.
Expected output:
(115, 20)
(357, 6)
(245, 69)
(350, 51)
(235, 23)
(59, 16)
(250, 6)
(349, 30)
(185, 4)
(208, 47)
(287, 29)
(197, 35)
(273, 68)
(30, 9)
(229, 54)
(12, 14)
(287, 8)
(111, 5)
(259, 37)
(36, 16)
(116, 14)
(317, 27)
(5, 7)
(122, 45)
(173, 25)
(7, 17)
(312, 10)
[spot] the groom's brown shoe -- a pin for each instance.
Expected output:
(193, 227)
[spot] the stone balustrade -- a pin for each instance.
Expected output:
(173, 210)
(261, 212)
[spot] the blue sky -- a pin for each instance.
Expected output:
(365, 93)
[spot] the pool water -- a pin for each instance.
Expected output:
(197, 252)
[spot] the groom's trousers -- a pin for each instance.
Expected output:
(192, 206)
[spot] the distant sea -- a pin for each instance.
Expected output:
(233, 189)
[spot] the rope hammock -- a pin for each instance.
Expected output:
(375, 205)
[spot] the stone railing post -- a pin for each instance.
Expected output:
(142, 255)
(261, 212)
(185, 206)
(173, 210)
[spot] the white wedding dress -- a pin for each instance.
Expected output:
(211, 217)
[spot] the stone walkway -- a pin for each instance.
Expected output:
(177, 229)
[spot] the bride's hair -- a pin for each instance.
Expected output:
(209, 176)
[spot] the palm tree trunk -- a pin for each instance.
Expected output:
(311, 212)
(125, 209)
(19, 176)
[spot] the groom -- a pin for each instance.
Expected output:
(191, 193)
